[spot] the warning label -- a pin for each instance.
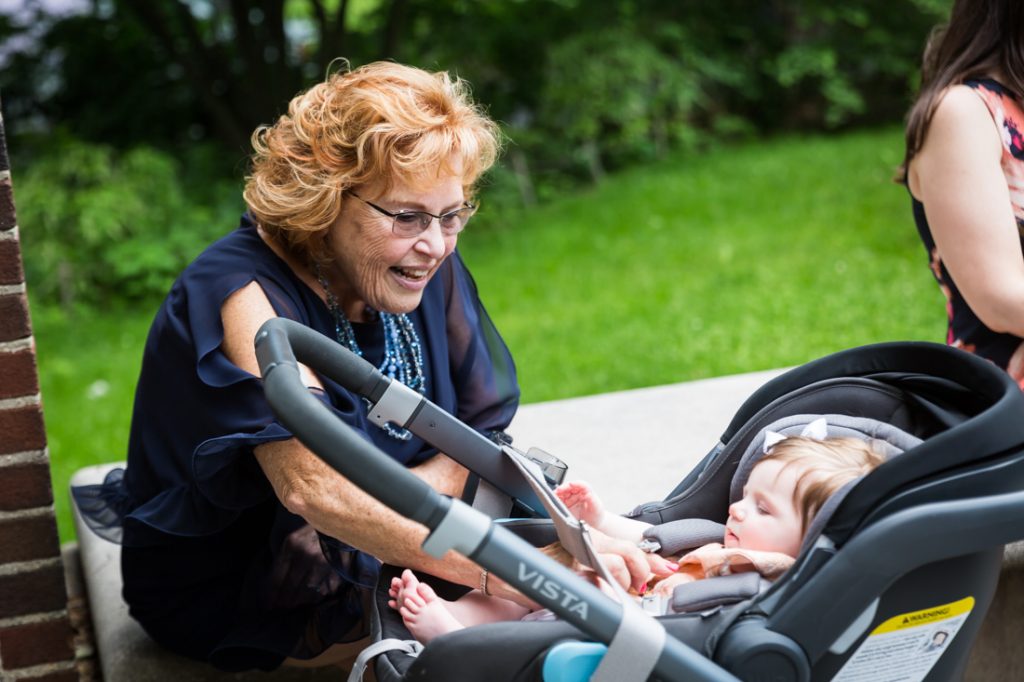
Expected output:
(906, 647)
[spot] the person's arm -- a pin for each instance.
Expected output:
(312, 489)
(585, 505)
(958, 177)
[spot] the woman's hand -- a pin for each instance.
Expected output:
(630, 566)
(666, 587)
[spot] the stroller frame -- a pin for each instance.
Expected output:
(775, 641)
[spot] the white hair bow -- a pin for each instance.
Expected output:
(816, 429)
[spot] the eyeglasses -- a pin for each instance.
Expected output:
(407, 224)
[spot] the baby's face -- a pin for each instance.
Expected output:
(765, 518)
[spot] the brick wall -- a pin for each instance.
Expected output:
(35, 634)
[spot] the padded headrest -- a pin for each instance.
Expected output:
(885, 438)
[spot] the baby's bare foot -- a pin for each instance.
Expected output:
(425, 614)
(394, 592)
(399, 587)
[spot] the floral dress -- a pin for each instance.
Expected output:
(965, 330)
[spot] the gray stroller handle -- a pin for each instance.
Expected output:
(327, 436)
(392, 401)
(453, 525)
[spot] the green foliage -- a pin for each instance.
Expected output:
(105, 225)
(758, 256)
(613, 92)
(845, 63)
(88, 365)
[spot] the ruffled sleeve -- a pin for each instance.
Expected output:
(198, 416)
(482, 369)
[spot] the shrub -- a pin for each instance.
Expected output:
(97, 224)
(612, 97)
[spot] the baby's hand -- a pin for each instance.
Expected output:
(665, 587)
(582, 502)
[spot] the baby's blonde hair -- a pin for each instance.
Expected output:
(828, 465)
(383, 122)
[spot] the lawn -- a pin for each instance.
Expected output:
(746, 258)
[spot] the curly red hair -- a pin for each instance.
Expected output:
(380, 123)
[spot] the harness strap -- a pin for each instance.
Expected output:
(684, 534)
(407, 646)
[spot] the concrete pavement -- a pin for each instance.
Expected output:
(634, 446)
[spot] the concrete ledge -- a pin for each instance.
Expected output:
(635, 446)
(998, 654)
(125, 651)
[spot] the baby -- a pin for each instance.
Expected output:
(764, 531)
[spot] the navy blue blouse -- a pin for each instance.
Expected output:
(214, 566)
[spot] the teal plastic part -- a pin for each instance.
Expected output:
(572, 661)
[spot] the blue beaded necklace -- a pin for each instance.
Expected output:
(403, 353)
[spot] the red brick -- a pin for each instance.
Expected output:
(11, 271)
(31, 644)
(22, 430)
(8, 218)
(4, 163)
(18, 377)
(25, 539)
(25, 486)
(38, 591)
(14, 322)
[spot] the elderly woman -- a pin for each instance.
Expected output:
(240, 547)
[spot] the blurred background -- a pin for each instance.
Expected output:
(689, 189)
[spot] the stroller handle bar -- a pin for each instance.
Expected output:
(393, 401)
(321, 431)
(281, 344)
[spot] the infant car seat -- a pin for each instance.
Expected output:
(912, 548)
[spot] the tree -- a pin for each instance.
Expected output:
(176, 71)
(242, 60)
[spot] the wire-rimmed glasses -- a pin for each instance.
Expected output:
(407, 224)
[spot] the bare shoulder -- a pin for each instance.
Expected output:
(242, 314)
(961, 105)
(961, 135)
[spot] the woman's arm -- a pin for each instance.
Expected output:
(310, 488)
(330, 503)
(958, 177)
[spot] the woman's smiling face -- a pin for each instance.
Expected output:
(371, 266)
(766, 518)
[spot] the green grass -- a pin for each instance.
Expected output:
(88, 365)
(747, 258)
